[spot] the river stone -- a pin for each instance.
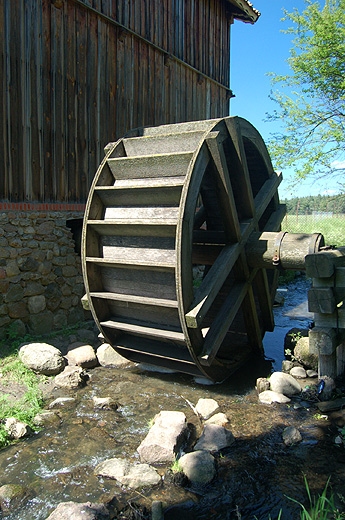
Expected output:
(11, 496)
(284, 384)
(108, 357)
(16, 429)
(131, 475)
(42, 358)
(291, 436)
(214, 438)
(312, 373)
(77, 511)
(61, 401)
(298, 372)
(287, 365)
(206, 407)
(262, 384)
(198, 466)
(81, 355)
(269, 397)
(164, 438)
(330, 406)
(302, 354)
(218, 418)
(105, 403)
(46, 417)
(71, 377)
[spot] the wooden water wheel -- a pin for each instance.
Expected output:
(169, 216)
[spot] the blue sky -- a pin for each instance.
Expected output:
(255, 51)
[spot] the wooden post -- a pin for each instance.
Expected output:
(325, 299)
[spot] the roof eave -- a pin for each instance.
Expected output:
(243, 10)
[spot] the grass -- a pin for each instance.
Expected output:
(332, 228)
(13, 372)
(321, 508)
(176, 467)
(24, 409)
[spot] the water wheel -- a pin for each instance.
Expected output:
(167, 221)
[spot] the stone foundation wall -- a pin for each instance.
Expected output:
(41, 282)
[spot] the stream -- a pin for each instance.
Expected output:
(256, 476)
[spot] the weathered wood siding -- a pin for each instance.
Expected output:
(73, 78)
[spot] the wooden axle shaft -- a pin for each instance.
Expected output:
(285, 250)
(268, 250)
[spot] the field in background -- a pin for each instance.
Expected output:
(332, 227)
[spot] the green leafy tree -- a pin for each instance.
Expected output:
(311, 100)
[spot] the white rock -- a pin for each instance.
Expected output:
(42, 358)
(219, 418)
(284, 384)
(206, 407)
(269, 397)
(131, 475)
(71, 377)
(108, 357)
(164, 438)
(16, 429)
(105, 403)
(81, 355)
(198, 466)
(61, 401)
(298, 372)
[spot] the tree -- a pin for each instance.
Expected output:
(311, 104)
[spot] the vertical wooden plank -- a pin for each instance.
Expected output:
(15, 101)
(82, 109)
(37, 123)
(5, 164)
(58, 102)
(72, 188)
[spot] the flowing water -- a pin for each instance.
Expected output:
(255, 476)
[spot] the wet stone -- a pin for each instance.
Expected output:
(77, 511)
(269, 397)
(206, 407)
(291, 436)
(214, 438)
(12, 496)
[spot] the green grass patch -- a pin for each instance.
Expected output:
(20, 380)
(332, 228)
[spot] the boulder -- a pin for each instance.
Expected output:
(198, 466)
(42, 358)
(206, 408)
(303, 356)
(164, 438)
(81, 355)
(269, 397)
(108, 357)
(77, 511)
(71, 377)
(214, 438)
(131, 475)
(284, 384)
